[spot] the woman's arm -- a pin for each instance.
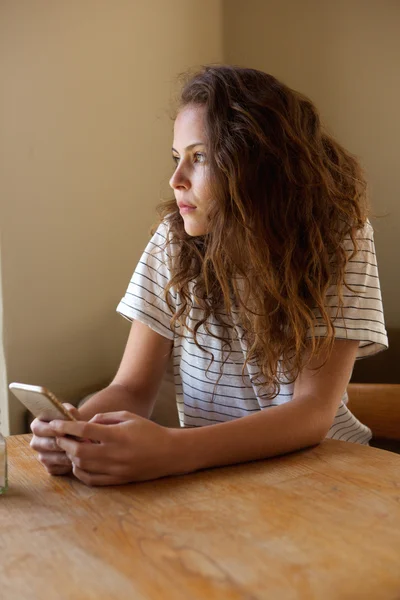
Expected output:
(302, 422)
(133, 449)
(135, 386)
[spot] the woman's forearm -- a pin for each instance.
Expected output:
(113, 398)
(271, 432)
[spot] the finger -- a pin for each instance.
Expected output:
(54, 459)
(45, 444)
(42, 428)
(69, 445)
(95, 479)
(86, 455)
(82, 429)
(72, 410)
(113, 418)
(94, 466)
(59, 470)
(93, 458)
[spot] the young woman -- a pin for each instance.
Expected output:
(260, 278)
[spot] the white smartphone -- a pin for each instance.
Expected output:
(40, 402)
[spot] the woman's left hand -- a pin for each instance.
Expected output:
(130, 448)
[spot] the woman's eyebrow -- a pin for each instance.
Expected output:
(190, 147)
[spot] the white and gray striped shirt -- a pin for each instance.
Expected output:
(235, 396)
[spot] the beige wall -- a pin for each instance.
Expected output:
(345, 56)
(84, 151)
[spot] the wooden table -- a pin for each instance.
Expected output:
(322, 523)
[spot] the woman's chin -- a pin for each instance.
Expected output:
(194, 229)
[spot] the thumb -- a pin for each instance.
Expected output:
(72, 410)
(75, 413)
(112, 418)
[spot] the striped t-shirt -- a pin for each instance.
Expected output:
(236, 396)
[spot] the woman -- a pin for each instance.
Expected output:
(260, 279)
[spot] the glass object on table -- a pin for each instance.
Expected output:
(3, 465)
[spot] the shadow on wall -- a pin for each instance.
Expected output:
(383, 367)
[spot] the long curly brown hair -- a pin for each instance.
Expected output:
(285, 195)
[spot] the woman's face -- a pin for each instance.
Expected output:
(190, 180)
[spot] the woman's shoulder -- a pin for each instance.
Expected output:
(364, 240)
(366, 232)
(162, 242)
(163, 230)
(160, 231)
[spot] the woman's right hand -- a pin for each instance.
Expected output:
(55, 460)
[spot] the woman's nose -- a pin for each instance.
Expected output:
(179, 179)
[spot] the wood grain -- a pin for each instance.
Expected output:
(322, 523)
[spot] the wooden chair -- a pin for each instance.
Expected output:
(377, 405)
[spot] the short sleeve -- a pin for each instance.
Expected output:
(144, 298)
(362, 317)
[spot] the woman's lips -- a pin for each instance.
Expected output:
(185, 209)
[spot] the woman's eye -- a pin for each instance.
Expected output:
(199, 157)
